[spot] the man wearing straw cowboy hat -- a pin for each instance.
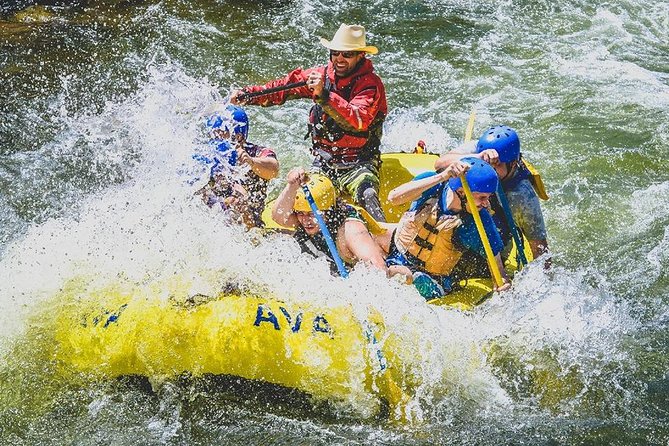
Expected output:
(346, 120)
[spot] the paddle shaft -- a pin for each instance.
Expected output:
(245, 96)
(326, 232)
(512, 224)
(492, 262)
(494, 268)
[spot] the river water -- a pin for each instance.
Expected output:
(102, 105)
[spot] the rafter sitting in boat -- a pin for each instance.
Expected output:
(500, 147)
(244, 193)
(438, 228)
(347, 224)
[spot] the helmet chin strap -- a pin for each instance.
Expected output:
(463, 200)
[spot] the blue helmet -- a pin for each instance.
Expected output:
(237, 121)
(481, 176)
(504, 140)
(233, 119)
(224, 155)
(214, 122)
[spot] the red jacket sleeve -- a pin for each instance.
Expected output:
(298, 75)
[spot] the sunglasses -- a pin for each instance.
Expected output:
(303, 214)
(346, 54)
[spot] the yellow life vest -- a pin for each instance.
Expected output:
(535, 180)
(427, 237)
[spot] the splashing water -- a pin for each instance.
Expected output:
(97, 192)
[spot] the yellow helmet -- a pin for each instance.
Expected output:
(322, 190)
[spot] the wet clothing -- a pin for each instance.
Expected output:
(351, 181)
(316, 244)
(523, 201)
(254, 188)
(345, 126)
(346, 123)
(525, 205)
(462, 238)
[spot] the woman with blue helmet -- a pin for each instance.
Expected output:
(439, 228)
(228, 131)
(500, 147)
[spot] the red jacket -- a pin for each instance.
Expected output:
(356, 104)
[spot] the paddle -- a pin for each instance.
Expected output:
(494, 269)
(245, 96)
(512, 225)
(326, 232)
(398, 397)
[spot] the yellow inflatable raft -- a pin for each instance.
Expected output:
(326, 352)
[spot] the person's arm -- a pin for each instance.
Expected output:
(529, 218)
(357, 241)
(361, 109)
(466, 149)
(412, 190)
(282, 211)
(278, 98)
(265, 165)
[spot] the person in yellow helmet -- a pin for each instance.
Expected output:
(348, 226)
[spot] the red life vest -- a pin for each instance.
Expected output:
(344, 137)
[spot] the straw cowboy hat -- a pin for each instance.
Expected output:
(349, 38)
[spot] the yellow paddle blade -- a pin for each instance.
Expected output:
(470, 126)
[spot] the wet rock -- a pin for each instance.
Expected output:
(34, 14)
